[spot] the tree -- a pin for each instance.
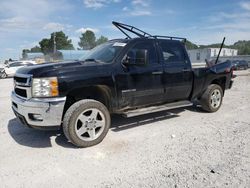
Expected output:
(24, 54)
(45, 46)
(35, 49)
(61, 40)
(87, 40)
(190, 45)
(101, 40)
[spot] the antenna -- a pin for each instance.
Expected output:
(221, 46)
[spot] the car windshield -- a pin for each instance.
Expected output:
(105, 52)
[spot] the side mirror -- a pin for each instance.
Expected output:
(136, 57)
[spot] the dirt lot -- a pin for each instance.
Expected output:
(178, 148)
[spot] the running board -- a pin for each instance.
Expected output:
(159, 108)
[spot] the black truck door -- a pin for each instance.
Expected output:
(140, 84)
(178, 76)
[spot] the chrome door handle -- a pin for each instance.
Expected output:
(157, 72)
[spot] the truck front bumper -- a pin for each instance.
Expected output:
(39, 113)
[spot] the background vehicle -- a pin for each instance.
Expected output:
(131, 76)
(2, 72)
(240, 64)
(11, 68)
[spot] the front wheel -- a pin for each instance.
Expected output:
(211, 99)
(86, 123)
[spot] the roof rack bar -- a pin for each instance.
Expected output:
(124, 32)
(170, 37)
(142, 34)
(131, 29)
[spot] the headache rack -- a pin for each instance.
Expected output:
(125, 29)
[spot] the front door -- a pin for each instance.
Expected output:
(140, 85)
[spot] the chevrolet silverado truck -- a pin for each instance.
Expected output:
(131, 76)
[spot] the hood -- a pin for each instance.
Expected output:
(61, 69)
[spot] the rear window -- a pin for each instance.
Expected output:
(172, 52)
(16, 64)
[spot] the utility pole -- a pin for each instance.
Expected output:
(54, 43)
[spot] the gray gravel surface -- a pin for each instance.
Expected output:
(179, 148)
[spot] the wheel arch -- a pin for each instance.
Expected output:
(221, 82)
(101, 93)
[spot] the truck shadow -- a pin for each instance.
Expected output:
(36, 138)
(120, 123)
(42, 139)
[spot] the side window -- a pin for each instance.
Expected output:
(149, 46)
(172, 52)
(15, 64)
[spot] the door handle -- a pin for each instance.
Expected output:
(186, 70)
(157, 72)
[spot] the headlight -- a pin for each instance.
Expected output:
(45, 87)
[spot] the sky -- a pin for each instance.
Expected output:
(23, 23)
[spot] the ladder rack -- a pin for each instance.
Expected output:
(125, 29)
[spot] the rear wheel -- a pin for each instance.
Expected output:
(211, 100)
(86, 123)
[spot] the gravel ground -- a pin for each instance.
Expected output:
(178, 148)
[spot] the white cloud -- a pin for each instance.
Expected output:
(143, 3)
(245, 5)
(138, 8)
(96, 4)
(32, 9)
(14, 23)
(140, 13)
(83, 30)
(125, 8)
(20, 14)
(25, 19)
(53, 26)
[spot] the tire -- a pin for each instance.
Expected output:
(211, 99)
(86, 123)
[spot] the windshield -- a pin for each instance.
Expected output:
(105, 52)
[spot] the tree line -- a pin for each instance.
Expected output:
(243, 46)
(87, 41)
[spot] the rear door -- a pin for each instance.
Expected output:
(178, 76)
(139, 85)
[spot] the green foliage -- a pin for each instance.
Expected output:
(45, 45)
(24, 53)
(35, 49)
(243, 47)
(101, 40)
(87, 40)
(61, 40)
(190, 45)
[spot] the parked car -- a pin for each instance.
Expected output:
(10, 69)
(131, 77)
(240, 64)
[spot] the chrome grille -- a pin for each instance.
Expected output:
(22, 84)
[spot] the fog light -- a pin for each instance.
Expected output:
(35, 117)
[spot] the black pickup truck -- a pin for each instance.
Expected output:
(131, 76)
